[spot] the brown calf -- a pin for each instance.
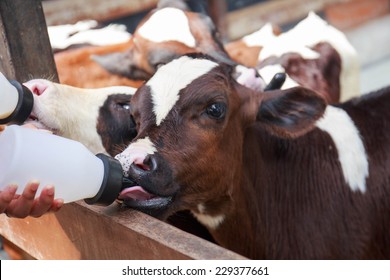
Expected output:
(276, 175)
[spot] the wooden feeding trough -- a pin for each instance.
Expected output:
(78, 230)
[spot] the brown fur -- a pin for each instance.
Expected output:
(76, 68)
(143, 57)
(243, 54)
(283, 193)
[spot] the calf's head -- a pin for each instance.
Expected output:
(164, 34)
(191, 119)
(98, 118)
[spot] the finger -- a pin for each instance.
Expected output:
(32, 126)
(21, 207)
(43, 203)
(6, 196)
(29, 125)
(57, 204)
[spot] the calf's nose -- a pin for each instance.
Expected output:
(147, 165)
(37, 87)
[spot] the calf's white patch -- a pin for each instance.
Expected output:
(168, 24)
(350, 147)
(135, 152)
(166, 84)
(261, 37)
(269, 71)
(210, 221)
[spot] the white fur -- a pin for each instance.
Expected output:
(73, 112)
(269, 71)
(209, 221)
(350, 147)
(307, 34)
(168, 24)
(59, 34)
(261, 37)
(135, 152)
(109, 35)
(166, 84)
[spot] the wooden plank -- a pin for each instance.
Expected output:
(25, 51)
(80, 231)
(280, 12)
(70, 11)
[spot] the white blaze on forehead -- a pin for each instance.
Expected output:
(350, 147)
(168, 24)
(166, 84)
(135, 153)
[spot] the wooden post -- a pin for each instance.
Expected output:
(25, 51)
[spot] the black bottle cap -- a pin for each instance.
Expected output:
(23, 108)
(112, 182)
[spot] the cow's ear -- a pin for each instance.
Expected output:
(290, 113)
(122, 64)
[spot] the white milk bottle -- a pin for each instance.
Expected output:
(16, 101)
(29, 154)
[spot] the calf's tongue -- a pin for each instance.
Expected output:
(136, 192)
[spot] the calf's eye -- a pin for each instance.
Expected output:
(123, 106)
(216, 110)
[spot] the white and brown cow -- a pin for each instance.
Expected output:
(165, 33)
(98, 118)
(276, 175)
(314, 54)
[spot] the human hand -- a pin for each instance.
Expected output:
(25, 204)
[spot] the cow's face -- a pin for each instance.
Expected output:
(191, 119)
(162, 36)
(98, 118)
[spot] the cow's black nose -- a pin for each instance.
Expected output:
(147, 166)
(154, 174)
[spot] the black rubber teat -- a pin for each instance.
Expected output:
(112, 182)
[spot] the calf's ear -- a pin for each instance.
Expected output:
(290, 113)
(117, 62)
(122, 64)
